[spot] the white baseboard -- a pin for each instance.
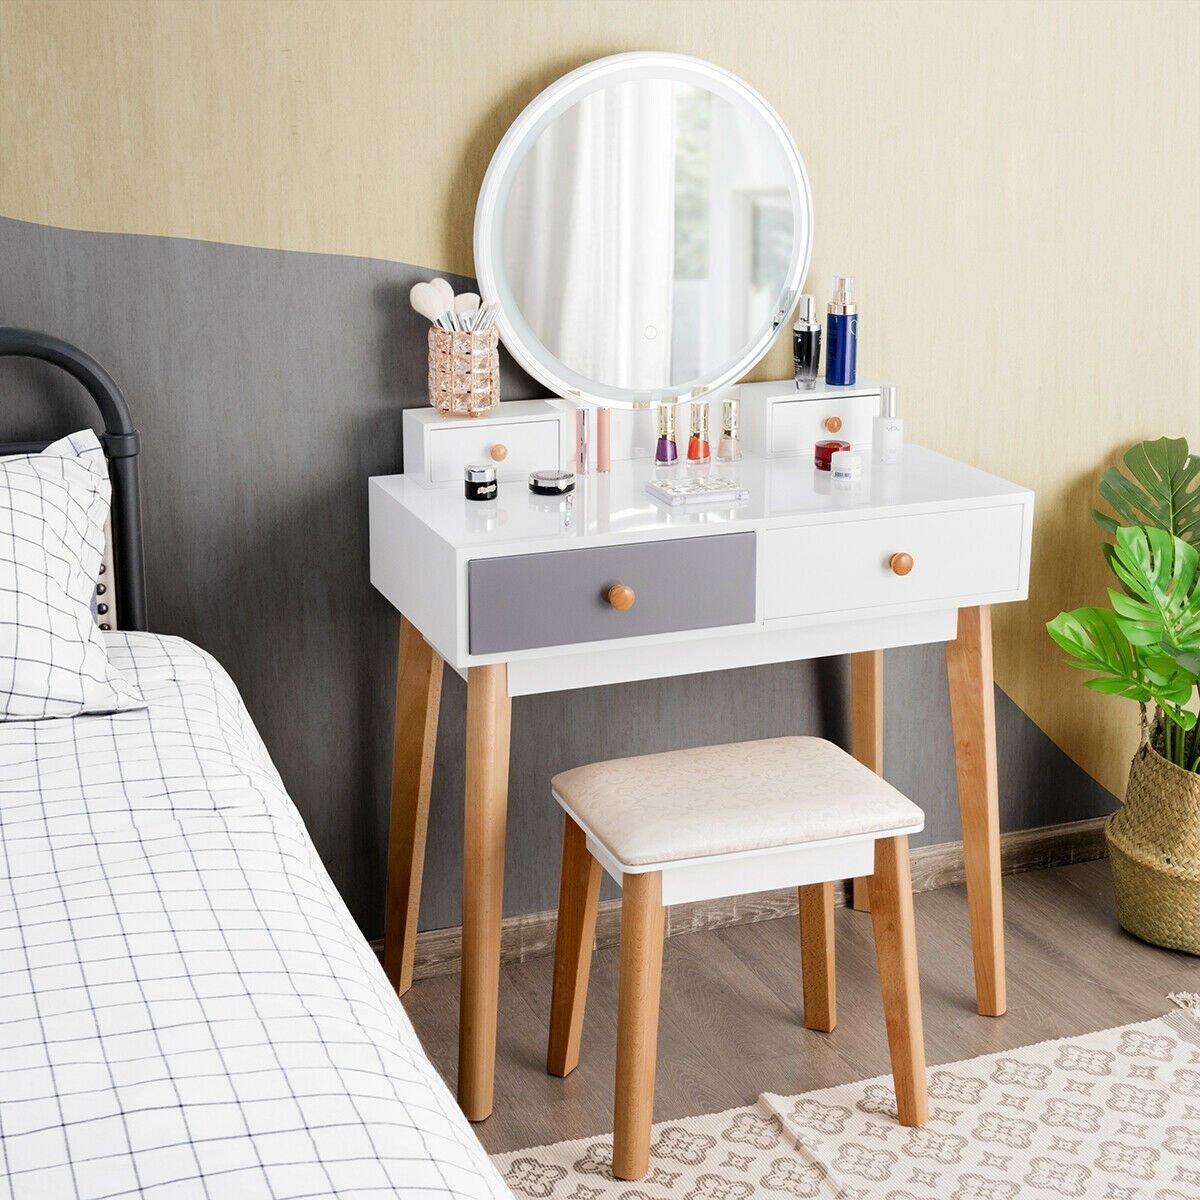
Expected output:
(532, 936)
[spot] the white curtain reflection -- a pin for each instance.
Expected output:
(590, 235)
(648, 234)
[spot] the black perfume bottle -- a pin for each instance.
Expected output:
(806, 344)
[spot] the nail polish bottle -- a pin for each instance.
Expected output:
(729, 448)
(698, 447)
(841, 363)
(806, 344)
(887, 429)
(665, 450)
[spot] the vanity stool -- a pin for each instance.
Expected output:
(724, 821)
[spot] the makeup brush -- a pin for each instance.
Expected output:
(426, 299)
(446, 300)
(467, 307)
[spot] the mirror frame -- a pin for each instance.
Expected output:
(520, 339)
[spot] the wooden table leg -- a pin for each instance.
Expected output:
(489, 714)
(973, 710)
(418, 699)
(866, 733)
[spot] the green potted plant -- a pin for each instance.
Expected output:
(1146, 646)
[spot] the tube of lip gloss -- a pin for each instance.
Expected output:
(583, 438)
(698, 447)
(603, 440)
(665, 451)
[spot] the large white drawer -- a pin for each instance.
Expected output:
(847, 565)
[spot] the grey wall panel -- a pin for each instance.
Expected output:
(268, 386)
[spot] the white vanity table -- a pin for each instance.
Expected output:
(645, 229)
(804, 566)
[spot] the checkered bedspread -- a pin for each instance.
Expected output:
(186, 1007)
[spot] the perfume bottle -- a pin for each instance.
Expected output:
(698, 448)
(665, 450)
(729, 448)
(841, 365)
(806, 344)
(887, 429)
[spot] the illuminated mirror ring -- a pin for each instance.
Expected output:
(645, 227)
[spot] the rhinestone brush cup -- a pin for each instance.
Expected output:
(464, 371)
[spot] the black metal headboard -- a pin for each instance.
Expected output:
(121, 445)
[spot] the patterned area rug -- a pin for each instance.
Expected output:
(1113, 1115)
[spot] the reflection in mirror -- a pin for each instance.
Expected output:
(650, 233)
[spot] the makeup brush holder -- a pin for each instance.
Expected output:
(464, 371)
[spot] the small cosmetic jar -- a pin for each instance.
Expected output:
(551, 483)
(846, 466)
(479, 481)
(823, 453)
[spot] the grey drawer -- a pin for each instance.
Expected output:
(560, 598)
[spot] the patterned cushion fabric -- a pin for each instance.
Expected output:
(788, 791)
(53, 660)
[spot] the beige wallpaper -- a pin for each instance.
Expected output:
(1016, 186)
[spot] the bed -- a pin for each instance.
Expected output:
(187, 1008)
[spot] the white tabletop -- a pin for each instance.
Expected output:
(615, 506)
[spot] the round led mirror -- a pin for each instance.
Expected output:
(645, 227)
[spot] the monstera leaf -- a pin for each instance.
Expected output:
(1164, 491)
(1147, 646)
(1160, 610)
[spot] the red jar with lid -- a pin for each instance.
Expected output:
(823, 453)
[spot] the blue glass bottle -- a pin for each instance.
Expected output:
(841, 331)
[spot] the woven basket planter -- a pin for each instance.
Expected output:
(1154, 849)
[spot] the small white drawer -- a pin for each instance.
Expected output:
(778, 420)
(519, 436)
(848, 565)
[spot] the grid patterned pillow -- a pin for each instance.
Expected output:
(53, 661)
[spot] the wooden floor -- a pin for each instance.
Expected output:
(731, 1006)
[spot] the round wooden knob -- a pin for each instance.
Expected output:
(833, 424)
(621, 596)
(901, 563)
(499, 452)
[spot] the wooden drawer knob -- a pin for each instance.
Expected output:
(901, 563)
(499, 452)
(621, 596)
(833, 424)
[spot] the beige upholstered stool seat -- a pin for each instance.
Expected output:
(719, 800)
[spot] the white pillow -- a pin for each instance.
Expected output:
(53, 661)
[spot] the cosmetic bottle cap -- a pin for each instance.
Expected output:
(843, 295)
(887, 400)
(806, 318)
(480, 473)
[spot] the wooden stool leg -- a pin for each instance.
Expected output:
(866, 735)
(642, 919)
(817, 956)
(418, 699)
(896, 952)
(578, 900)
